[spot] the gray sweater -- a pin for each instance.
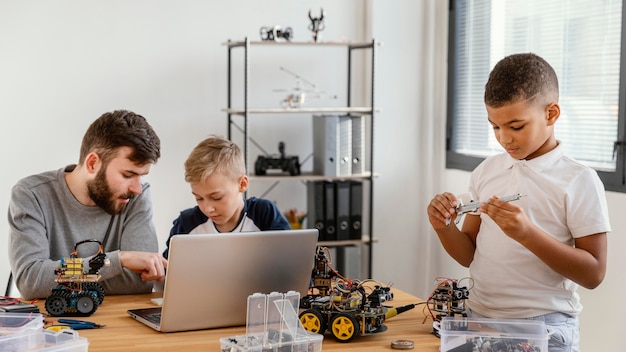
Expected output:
(46, 222)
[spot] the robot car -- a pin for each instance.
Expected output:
(77, 291)
(346, 308)
(281, 162)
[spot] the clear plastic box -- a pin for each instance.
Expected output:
(272, 325)
(477, 334)
(15, 323)
(41, 340)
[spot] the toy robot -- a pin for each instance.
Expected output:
(77, 292)
(447, 300)
(285, 163)
(344, 306)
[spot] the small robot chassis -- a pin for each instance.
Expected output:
(281, 162)
(77, 291)
(447, 300)
(341, 305)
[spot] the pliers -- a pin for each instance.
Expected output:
(74, 324)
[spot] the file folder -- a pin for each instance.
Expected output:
(343, 210)
(356, 210)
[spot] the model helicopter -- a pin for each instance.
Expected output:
(304, 90)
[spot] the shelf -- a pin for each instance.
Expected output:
(309, 177)
(337, 110)
(347, 243)
(318, 200)
(289, 43)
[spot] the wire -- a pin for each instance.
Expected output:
(8, 301)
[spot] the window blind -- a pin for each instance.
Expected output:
(580, 39)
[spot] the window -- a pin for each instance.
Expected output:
(580, 39)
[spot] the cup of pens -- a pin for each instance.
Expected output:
(295, 218)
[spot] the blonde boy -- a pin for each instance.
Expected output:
(216, 172)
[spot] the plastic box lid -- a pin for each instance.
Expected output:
(272, 325)
(14, 323)
(41, 340)
(472, 334)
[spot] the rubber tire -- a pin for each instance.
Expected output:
(313, 321)
(344, 327)
(56, 305)
(86, 304)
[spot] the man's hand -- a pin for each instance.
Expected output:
(151, 266)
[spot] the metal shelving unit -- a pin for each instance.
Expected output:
(245, 112)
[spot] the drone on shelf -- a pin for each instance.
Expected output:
(303, 90)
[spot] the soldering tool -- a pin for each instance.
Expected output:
(393, 311)
(473, 206)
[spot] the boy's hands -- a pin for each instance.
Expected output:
(508, 216)
(442, 207)
(151, 266)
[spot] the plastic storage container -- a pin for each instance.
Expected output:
(44, 341)
(272, 325)
(23, 332)
(15, 323)
(475, 334)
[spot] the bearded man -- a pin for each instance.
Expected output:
(102, 198)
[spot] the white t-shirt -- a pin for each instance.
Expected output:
(562, 197)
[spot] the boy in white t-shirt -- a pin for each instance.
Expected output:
(528, 257)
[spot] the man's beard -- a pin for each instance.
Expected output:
(101, 194)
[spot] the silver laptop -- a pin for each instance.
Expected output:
(210, 276)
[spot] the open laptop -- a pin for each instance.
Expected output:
(210, 276)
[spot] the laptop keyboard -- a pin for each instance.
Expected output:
(153, 317)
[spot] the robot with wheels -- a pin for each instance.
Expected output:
(77, 291)
(447, 299)
(345, 307)
(282, 162)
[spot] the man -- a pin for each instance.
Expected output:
(101, 198)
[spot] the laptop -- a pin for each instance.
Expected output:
(210, 276)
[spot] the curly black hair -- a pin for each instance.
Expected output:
(520, 77)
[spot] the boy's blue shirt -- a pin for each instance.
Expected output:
(260, 215)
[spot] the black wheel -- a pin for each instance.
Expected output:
(294, 167)
(313, 321)
(96, 290)
(86, 304)
(56, 305)
(259, 166)
(344, 327)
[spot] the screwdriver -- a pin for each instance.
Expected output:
(393, 311)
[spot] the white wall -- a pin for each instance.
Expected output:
(63, 63)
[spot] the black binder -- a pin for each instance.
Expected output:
(315, 208)
(356, 210)
(330, 216)
(343, 210)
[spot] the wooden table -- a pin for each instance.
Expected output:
(123, 333)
